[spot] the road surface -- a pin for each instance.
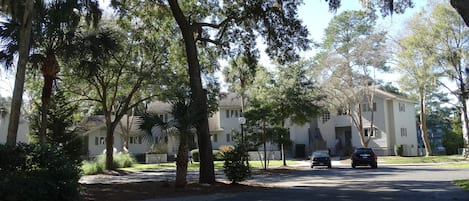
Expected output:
(342, 183)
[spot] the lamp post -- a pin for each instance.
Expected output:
(242, 121)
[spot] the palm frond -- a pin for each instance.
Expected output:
(9, 33)
(149, 121)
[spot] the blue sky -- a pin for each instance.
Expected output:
(315, 15)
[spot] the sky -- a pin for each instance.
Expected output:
(315, 15)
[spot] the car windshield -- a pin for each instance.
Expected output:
(363, 151)
(320, 154)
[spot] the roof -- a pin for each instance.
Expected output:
(159, 107)
(230, 99)
(97, 122)
(378, 90)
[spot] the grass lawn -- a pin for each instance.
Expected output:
(422, 159)
(463, 183)
(195, 166)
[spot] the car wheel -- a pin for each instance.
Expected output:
(329, 166)
(353, 165)
(312, 166)
(374, 165)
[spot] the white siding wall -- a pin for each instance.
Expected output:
(389, 122)
(406, 120)
(23, 130)
(95, 150)
(299, 133)
(229, 124)
(379, 122)
(328, 130)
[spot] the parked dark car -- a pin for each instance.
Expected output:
(321, 158)
(364, 157)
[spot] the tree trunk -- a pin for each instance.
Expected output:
(45, 99)
(264, 139)
(465, 123)
(50, 69)
(360, 126)
(17, 99)
(282, 147)
(423, 126)
(462, 7)
(110, 127)
(181, 162)
(206, 170)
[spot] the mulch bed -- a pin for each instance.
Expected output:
(158, 189)
(166, 189)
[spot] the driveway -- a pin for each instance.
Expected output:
(342, 183)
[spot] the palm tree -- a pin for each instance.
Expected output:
(185, 118)
(240, 74)
(52, 36)
(53, 26)
(20, 12)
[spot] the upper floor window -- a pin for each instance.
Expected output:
(401, 107)
(342, 112)
(135, 140)
(325, 117)
(403, 132)
(366, 107)
(233, 113)
(99, 140)
(368, 132)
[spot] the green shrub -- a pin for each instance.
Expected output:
(159, 148)
(398, 149)
(121, 160)
(235, 167)
(37, 172)
(92, 167)
(217, 155)
(195, 155)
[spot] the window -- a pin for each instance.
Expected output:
(228, 137)
(99, 140)
(325, 117)
(368, 132)
(135, 140)
(342, 112)
(403, 132)
(401, 107)
(214, 137)
(366, 107)
(233, 113)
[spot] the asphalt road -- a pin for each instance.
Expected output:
(342, 183)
